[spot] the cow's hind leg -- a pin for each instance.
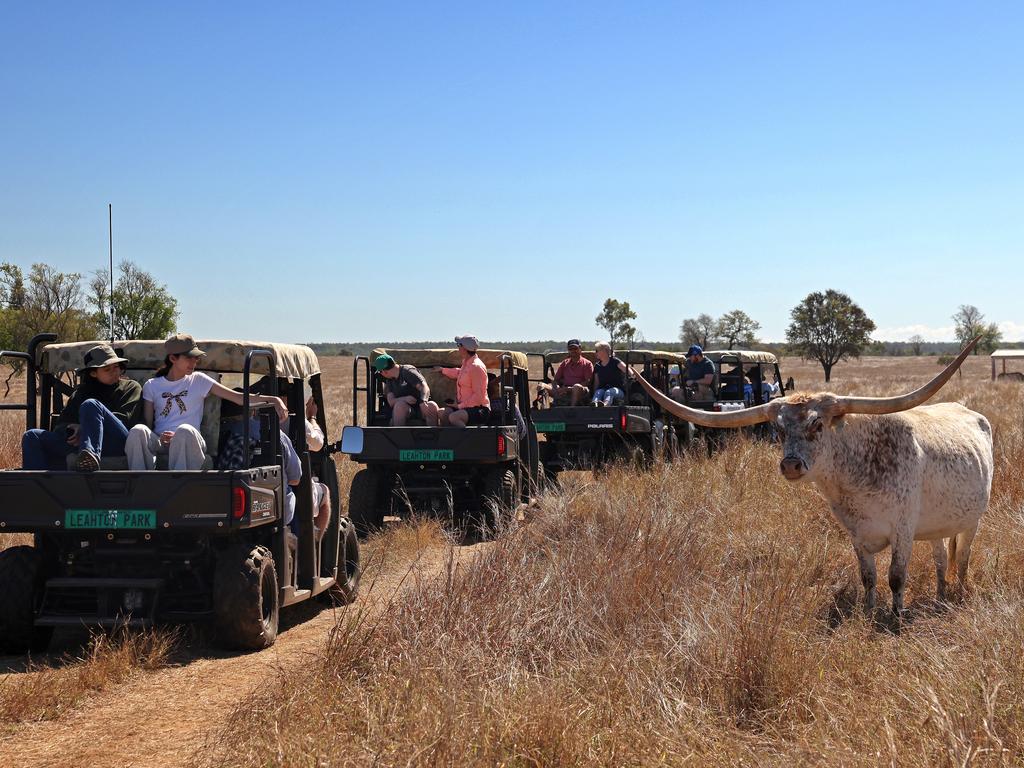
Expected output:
(939, 556)
(868, 578)
(963, 540)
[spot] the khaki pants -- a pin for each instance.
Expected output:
(186, 451)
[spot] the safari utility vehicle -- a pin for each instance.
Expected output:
(740, 376)
(468, 476)
(121, 548)
(584, 437)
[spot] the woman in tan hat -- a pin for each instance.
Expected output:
(94, 422)
(172, 410)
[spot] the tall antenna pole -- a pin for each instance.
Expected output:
(110, 240)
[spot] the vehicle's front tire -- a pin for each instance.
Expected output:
(21, 585)
(246, 601)
(346, 587)
(365, 509)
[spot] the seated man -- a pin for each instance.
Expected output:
(406, 391)
(573, 378)
(700, 377)
(498, 404)
(95, 421)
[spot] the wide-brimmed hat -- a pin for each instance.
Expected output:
(100, 356)
(182, 344)
(469, 342)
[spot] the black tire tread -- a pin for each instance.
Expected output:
(237, 597)
(346, 588)
(21, 579)
(364, 504)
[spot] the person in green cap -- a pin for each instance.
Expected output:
(406, 392)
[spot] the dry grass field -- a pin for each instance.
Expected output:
(700, 614)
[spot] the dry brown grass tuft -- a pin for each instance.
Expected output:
(47, 691)
(700, 612)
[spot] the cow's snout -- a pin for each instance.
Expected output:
(792, 468)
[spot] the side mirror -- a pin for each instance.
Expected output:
(352, 440)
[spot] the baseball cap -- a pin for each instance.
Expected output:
(694, 350)
(99, 356)
(384, 363)
(572, 343)
(182, 344)
(469, 342)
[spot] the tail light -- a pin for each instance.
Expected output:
(501, 445)
(622, 420)
(239, 503)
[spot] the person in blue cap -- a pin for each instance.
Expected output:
(700, 377)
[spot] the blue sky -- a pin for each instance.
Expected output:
(333, 171)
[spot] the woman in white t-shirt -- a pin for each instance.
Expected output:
(172, 410)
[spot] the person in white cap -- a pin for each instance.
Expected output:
(472, 405)
(172, 410)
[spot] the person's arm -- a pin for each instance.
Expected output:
(148, 413)
(69, 413)
(559, 374)
(314, 436)
(127, 407)
(451, 373)
(292, 465)
(237, 398)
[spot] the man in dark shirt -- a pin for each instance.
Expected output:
(94, 422)
(700, 377)
(406, 391)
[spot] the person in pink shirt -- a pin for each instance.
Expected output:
(572, 380)
(472, 406)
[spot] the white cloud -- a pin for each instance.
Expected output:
(1012, 331)
(904, 332)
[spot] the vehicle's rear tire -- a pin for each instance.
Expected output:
(21, 585)
(346, 587)
(365, 508)
(246, 601)
(499, 496)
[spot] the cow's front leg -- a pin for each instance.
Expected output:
(939, 556)
(868, 577)
(901, 549)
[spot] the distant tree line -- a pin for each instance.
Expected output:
(48, 300)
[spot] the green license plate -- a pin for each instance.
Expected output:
(550, 426)
(125, 519)
(427, 454)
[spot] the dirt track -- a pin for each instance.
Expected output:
(162, 718)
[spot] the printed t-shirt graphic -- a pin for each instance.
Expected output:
(177, 402)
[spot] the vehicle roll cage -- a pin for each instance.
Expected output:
(655, 368)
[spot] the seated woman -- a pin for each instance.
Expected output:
(94, 422)
(472, 405)
(172, 410)
(609, 384)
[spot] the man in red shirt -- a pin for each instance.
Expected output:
(573, 377)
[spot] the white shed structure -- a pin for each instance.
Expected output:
(1001, 356)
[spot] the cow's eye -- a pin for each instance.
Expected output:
(815, 429)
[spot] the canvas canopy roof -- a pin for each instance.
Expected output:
(1009, 354)
(740, 356)
(626, 356)
(293, 361)
(451, 358)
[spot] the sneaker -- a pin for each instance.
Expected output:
(87, 461)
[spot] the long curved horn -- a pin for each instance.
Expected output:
(742, 418)
(880, 405)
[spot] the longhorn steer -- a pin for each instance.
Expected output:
(891, 471)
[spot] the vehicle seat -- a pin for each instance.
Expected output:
(209, 428)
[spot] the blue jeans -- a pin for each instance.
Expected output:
(100, 431)
(610, 395)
